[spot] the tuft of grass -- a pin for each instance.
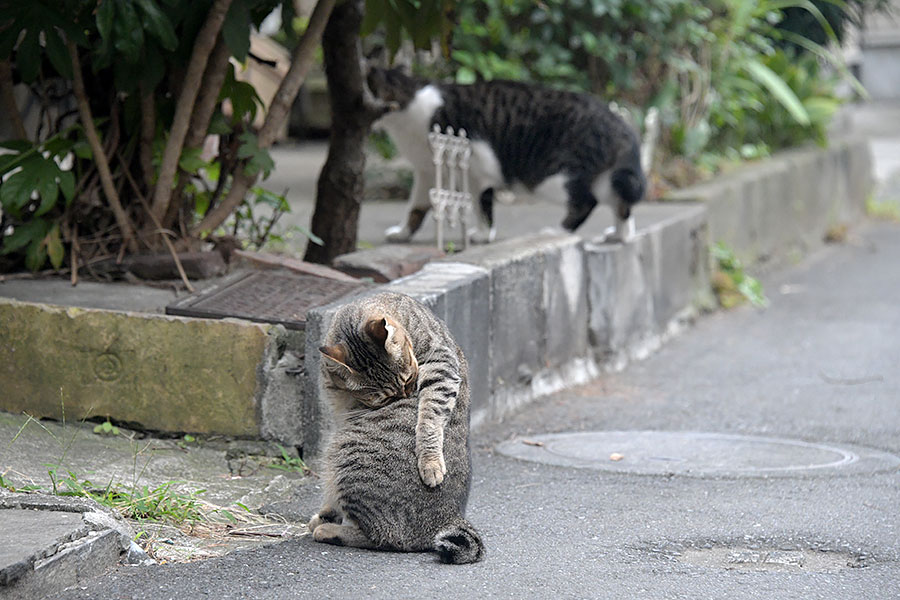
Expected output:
(887, 210)
(106, 428)
(286, 462)
(731, 284)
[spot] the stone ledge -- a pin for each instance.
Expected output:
(162, 373)
(543, 312)
(778, 209)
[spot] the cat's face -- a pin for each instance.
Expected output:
(392, 86)
(375, 364)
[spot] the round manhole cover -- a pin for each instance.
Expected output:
(696, 454)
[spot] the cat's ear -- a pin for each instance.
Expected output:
(336, 354)
(383, 331)
(377, 329)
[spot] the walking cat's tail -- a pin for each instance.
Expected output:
(459, 544)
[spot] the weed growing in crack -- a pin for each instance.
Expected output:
(731, 284)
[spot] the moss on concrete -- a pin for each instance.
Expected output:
(162, 373)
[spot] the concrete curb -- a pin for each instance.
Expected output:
(54, 542)
(539, 313)
(779, 209)
(533, 314)
(164, 373)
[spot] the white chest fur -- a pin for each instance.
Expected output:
(409, 127)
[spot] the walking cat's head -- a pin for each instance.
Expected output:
(392, 86)
(374, 363)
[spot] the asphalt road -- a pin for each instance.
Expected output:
(819, 365)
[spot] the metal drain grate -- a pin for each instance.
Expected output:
(265, 297)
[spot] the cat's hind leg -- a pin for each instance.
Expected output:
(581, 202)
(628, 185)
(484, 231)
(416, 209)
(346, 534)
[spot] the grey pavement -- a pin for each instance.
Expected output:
(817, 368)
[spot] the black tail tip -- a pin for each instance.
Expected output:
(458, 546)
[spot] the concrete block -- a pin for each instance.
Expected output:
(680, 274)
(282, 378)
(619, 296)
(162, 373)
(565, 302)
(460, 295)
(518, 315)
(388, 262)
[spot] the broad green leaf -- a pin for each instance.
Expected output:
(778, 88)
(128, 34)
(158, 24)
(190, 161)
(22, 235)
(16, 145)
(57, 53)
(55, 249)
(48, 190)
(374, 15)
(105, 15)
(58, 146)
(67, 185)
(236, 29)
(16, 191)
(36, 255)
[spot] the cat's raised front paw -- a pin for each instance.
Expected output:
(397, 233)
(432, 470)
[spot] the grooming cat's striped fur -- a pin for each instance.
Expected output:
(397, 469)
(553, 143)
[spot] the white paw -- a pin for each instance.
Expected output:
(482, 236)
(397, 233)
(552, 230)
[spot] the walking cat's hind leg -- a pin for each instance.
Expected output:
(581, 202)
(484, 231)
(342, 535)
(418, 206)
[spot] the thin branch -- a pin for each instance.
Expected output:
(90, 131)
(73, 255)
(148, 134)
(301, 61)
(203, 46)
(159, 227)
(9, 100)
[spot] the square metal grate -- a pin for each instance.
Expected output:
(264, 296)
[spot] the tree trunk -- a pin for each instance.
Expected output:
(340, 187)
(90, 132)
(203, 46)
(301, 61)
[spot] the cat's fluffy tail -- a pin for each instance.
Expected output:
(459, 544)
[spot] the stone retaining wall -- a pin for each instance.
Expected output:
(533, 315)
(539, 313)
(779, 209)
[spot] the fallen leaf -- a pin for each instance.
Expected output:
(616, 456)
(532, 443)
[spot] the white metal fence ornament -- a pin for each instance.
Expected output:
(451, 204)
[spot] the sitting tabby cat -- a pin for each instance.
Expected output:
(556, 144)
(397, 468)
